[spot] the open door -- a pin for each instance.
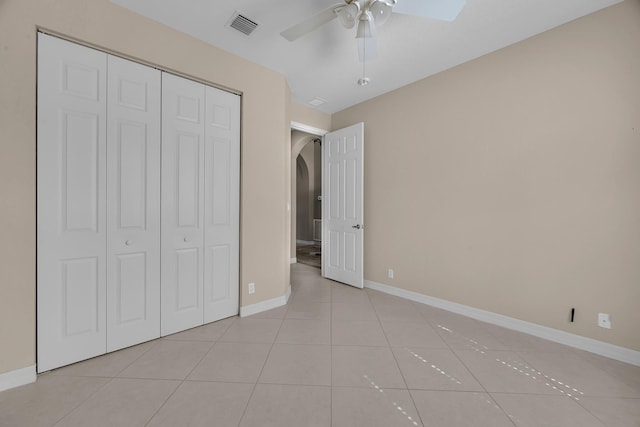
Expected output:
(342, 205)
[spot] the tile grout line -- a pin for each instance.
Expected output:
(495, 402)
(111, 378)
(75, 408)
(375, 310)
(452, 350)
(255, 385)
(213, 343)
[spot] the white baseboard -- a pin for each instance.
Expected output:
(266, 305)
(306, 242)
(18, 377)
(293, 261)
(577, 341)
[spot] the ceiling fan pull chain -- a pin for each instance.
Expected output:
(364, 80)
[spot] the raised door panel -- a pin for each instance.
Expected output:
(131, 178)
(183, 135)
(79, 291)
(130, 291)
(187, 165)
(80, 146)
(187, 280)
(352, 208)
(71, 197)
(133, 211)
(221, 210)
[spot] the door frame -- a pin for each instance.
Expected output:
(292, 193)
(163, 69)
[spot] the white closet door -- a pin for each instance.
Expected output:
(182, 203)
(133, 208)
(71, 226)
(222, 183)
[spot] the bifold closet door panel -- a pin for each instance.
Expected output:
(182, 203)
(71, 197)
(221, 188)
(133, 208)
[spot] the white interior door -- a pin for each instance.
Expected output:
(71, 225)
(342, 205)
(222, 205)
(133, 208)
(183, 105)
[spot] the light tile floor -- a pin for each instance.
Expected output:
(336, 356)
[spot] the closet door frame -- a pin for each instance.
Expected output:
(116, 243)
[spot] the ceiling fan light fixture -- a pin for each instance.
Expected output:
(366, 28)
(381, 10)
(348, 15)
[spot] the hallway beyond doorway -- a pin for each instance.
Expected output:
(309, 254)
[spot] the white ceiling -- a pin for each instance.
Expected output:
(324, 64)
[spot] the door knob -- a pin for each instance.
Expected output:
(356, 226)
(186, 239)
(128, 242)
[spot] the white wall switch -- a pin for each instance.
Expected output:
(390, 273)
(252, 288)
(604, 320)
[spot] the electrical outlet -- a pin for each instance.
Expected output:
(604, 320)
(390, 273)
(252, 288)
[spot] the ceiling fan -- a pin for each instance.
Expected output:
(369, 14)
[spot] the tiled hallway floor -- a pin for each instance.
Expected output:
(336, 356)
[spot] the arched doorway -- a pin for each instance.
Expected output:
(306, 189)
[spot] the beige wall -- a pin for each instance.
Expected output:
(512, 183)
(265, 146)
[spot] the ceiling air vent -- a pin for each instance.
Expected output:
(242, 23)
(316, 102)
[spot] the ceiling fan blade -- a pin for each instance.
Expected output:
(310, 24)
(443, 10)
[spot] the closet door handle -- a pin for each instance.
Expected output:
(128, 242)
(186, 239)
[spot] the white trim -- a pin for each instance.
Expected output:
(308, 129)
(293, 260)
(269, 304)
(306, 242)
(18, 377)
(577, 341)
